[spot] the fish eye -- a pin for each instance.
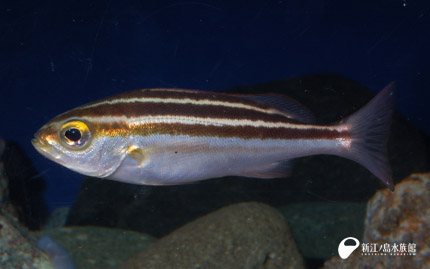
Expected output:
(75, 134)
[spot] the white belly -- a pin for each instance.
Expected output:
(182, 159)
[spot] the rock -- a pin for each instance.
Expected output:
(25, 186)
(18, 250)
(7, 209)
(245, 235)
(97, 247)
(108, 203)
(17, 244)
(402, 217)
(6, 206)
(57, 218)
(2, 147)
(319, 227)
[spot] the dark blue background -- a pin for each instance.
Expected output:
(56, 55)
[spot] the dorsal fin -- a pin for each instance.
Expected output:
(287, 106)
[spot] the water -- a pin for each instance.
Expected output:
(58, 55)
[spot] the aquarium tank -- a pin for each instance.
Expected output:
(214, 134)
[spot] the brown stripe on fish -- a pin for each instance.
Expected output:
(200, 130)
(177, 94)
(173, 96)
(134, 110)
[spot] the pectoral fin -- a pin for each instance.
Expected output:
(137, 154)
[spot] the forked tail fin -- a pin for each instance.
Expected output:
(370, 127)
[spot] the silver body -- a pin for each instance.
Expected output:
(184, 159)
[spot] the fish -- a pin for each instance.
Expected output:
(169, 136)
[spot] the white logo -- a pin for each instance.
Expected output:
(345, 251)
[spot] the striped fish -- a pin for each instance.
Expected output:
(175, 136)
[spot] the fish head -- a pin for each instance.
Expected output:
(79, 145)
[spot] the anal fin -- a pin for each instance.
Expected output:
(273, 170)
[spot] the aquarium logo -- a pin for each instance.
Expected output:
(387, 249)
(346, 250)
(376, 249)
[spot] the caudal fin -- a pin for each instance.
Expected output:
(370, 127)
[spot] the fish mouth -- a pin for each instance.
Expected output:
(39, 145)
(45, 149)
